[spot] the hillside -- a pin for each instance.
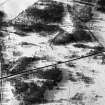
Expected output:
(50, 57)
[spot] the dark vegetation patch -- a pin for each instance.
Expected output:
(99, 48)
(53, 74)
(82, 98)
(22, 64)
(52, 13)
(82, 46)
(78, 96)
(2, 23)
(103, 58)
(17, 53)
(72, 77)
(64, 38)
(101, 6)
(31, 92)
(78, 99)
(89, 1)
(40, 19)
(77, 77)
(5, 68)
(85, 14)
(70, 64)
(82, 35)
(96, 49)
(85, 79)
(2, 16)
(37, 27)
(1, 34)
